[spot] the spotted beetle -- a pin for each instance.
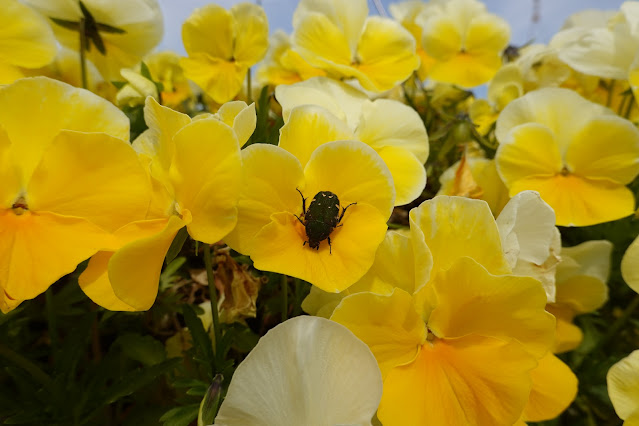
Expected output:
(321, 218)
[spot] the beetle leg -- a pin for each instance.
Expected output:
(330, 248)
(298, 218)
(344, 211)
(303, 202)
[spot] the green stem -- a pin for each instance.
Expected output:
(208, 264)
(83, 59)
(26, 365)
(284, 297)
(249, 89)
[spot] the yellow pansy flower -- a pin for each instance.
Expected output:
(26, 41)
(623, 388)
(194, 168)
(283, 65)
(578, 155)
(50, 217)
(314, 360)
(465, 356)
(270, 225)
(339, 38)
(463, 41)
(436, 361)
(222, 45)
(165, 68)
(121, 31)
(403, 145)
(581, 288)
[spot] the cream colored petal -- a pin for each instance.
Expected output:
(630, 265)
(527, 228)
(386, 122)
(592, 258)
(623, 385)
(344, 101)
(305, 371)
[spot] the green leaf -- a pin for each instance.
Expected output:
(119, 84)
(138, 379)
(144, 349)
(144, 70)
(177, 244)
(201, 339)
(180, 416)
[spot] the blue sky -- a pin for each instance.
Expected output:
(517, 12)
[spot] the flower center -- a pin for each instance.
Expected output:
(20, 206)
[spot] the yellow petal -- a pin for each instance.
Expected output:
(94, 282)
(467, 69)
(623, 386)
(219, 78)
(554, 389)
(472, 301)
(270, 176)
(58, 106)
(471, 380)
(606, 148)
(9, 73)
(280, 247)
(158, 143)
(320, 41)
(209, 30)
(7, 304)
(580, 201)
(26, 40)
(308, 127)
(9, 176)
(487, 33)
(206, 175)
(409, 174)
(112, 191)
(386, 53)
(241, 117)
(442, 39)
(630, 265)
(562, 111)
(569, 336)
(528, 150)
(389, 325)
(591, 258)
(354, 172)
(251, 33)
(27, 241)
(134, 270)
(455, 227)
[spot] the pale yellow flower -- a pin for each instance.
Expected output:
(125, 30)
(623, 388)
